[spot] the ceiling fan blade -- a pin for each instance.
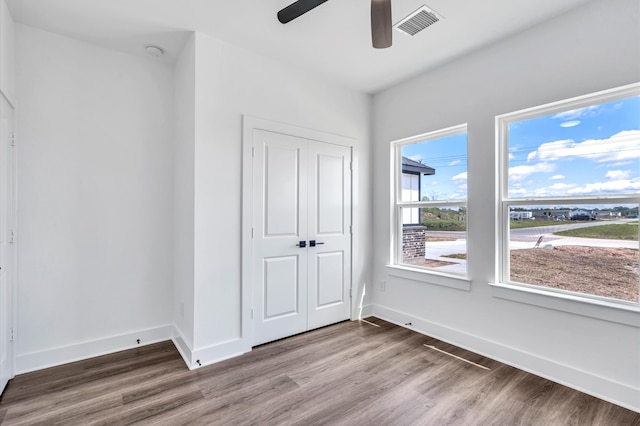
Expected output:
(297, 8)
(381, 23)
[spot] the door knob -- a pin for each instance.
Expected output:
(313, 243)
(302, 244)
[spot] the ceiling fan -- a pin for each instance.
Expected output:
(380, 18)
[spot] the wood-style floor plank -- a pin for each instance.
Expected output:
(352, 373)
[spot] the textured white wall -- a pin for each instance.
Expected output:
(7, 53)
(95, 193)
(231, 82)
(590, 49)
(183, 196)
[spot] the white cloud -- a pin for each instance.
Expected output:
(519, 191)
(511, 156)
(623, 146)
(416, 157)
(612, 186)
(460, 176)
(577, 113)
(557, 177)
(617, 174)
(522, 172)
(563, 189)
(554, 190)
(455, 162)
(572, 123)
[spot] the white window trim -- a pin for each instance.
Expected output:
(394, 267)
(621, 311)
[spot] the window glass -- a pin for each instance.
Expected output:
(431, 176)
(590, 249)
(570, 196)
(591, 150)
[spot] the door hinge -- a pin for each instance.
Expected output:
(12, 236)
(351, 229)
(251, 313)
(253, 152)
(11, 334)
(351, 165)
(351, 293)
(13, 139)
(251, 233)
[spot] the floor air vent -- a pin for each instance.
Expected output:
(418, 21)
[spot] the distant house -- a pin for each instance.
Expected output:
(521, 215)
(412, 172)
(581, 214)
(607, 214)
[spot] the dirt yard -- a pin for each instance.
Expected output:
(609, 272)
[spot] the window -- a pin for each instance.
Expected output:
(569, 196)
(430, 201)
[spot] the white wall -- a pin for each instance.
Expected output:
(7, 53)
(95, 198)
(231, 82)
(183, 196)
(590, 49)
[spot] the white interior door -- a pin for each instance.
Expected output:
(301, 235)
(329, 211)
(7, 252)
(280, 223)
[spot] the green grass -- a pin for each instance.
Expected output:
(444, 225)
(528, 223)
(456, 255)
(624, 231)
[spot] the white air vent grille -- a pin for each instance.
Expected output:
(417, 21)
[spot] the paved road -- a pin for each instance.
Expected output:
(522, 238)
(532, 234)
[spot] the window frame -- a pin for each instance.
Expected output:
(504, 202)
(395, 266)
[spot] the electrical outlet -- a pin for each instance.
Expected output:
(382, 285)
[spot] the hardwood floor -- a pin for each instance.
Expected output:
(352, 373)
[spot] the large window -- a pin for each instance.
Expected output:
(569, 196)
(430, 201)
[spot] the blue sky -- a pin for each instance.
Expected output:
(587, 151)
(448, 156)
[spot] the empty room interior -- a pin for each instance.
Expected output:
(220, 180)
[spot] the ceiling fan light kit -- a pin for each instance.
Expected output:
(381, 23)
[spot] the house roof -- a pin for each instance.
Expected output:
(412, 166)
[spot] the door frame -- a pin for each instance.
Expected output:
(249, 124)
(12, 222)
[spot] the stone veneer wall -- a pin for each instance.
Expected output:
(413, 242)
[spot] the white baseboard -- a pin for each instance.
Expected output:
(183, 346)
(365, 311)
(65, 354)
(196, 358)
(218, 352)
(33, 361)
(583, 381)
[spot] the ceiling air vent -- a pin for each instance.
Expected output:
(418, 21)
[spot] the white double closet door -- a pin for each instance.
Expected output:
(302, 235)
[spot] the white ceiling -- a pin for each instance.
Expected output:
(333, 40)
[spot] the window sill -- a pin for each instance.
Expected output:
(628, 314)
(430, 277)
